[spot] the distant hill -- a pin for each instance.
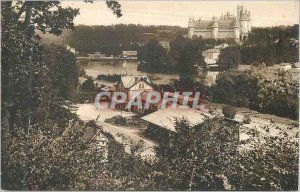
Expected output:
(112, 39)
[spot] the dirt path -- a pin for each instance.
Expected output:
(123, 135)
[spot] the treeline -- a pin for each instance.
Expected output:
(260, 89)
(184, 56)
(112, 40)
(271, 45)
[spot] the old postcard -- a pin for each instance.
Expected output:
(150, 95)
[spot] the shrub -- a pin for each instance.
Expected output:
(247, 119)
(109, 78)
(88, 85)
(229, 111)
(84, 97)
(120, 120)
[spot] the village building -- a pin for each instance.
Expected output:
(143, 86)
(211, 56)
(134, 84)
(162, 123)
(165, 118)
(97, 55)
(129, 54)
(191, 100)
(227, 26)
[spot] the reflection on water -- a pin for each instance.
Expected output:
(130, 68)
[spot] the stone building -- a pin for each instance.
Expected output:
(226, 27)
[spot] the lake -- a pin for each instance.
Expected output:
(130, 68)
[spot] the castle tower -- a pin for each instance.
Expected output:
(249, 22)
(191, 27)
(244, 20)
(236, 28)
(238, 10)
(214, 28)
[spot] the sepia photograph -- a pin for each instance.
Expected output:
(158, 95)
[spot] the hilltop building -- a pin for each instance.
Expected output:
(226, 27)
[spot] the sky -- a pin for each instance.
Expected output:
(263, 13)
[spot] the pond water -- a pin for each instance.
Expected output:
(130, 68)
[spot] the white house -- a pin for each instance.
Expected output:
(211, 56)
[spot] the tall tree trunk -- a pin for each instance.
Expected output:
(28, 15)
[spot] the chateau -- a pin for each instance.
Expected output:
(226, 27)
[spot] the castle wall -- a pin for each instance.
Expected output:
(237, 30)
(226, 34)
(221, 34)
(204, 34)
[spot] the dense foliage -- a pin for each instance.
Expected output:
(63, 71)
(88, 85)
(154, 58)
(37, 154)
(261, 89)
(271, 45)
(110, 78)
(229, 57)
(195, 158)
(184, 56)
(111, 40)
(209, 156)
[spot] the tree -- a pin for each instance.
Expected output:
(209, 156)
(88, 85)
(34, 112)
(260, 88)
(229, 57)
(153, 58)
(271, 164)
(271, 45)
(64, 70)
(195, 158)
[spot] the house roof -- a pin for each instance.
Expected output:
(225, 23)
(203, 24)
(166, 118)
(129, 81)
(222, 23)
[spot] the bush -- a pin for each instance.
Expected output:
(247, 119)
(84, 97)
(229, 111)
(120, 120)
(109, 78)
(88, 85)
